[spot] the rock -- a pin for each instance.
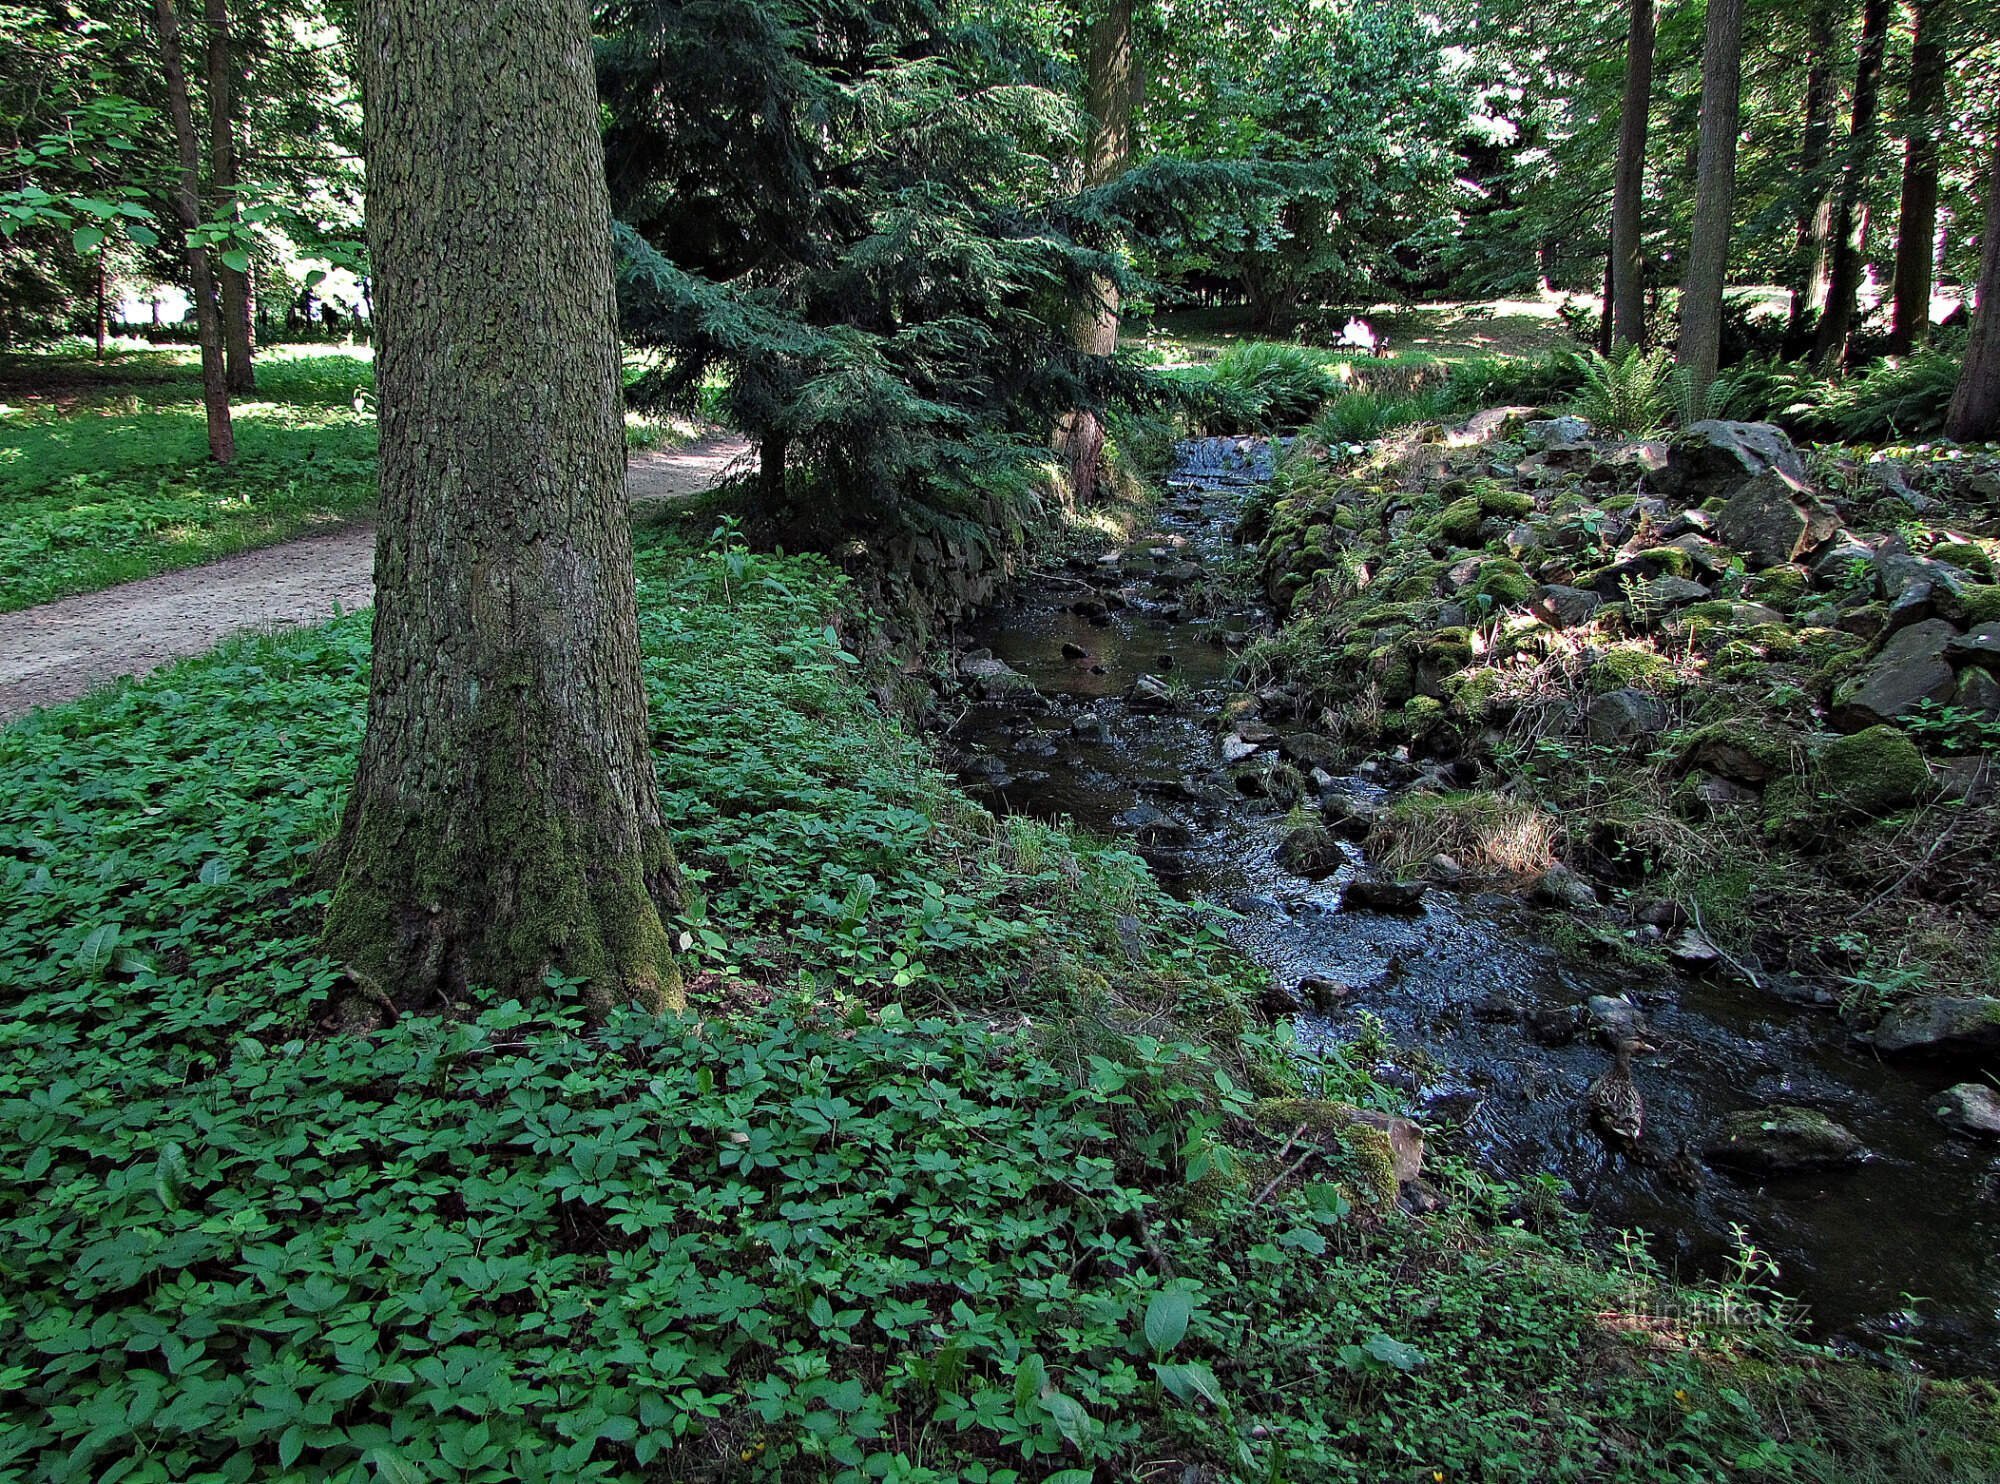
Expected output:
(1968, 780)
(1742, 750)
(1846, 555)
(1783, 1140)
(1090, 727)
(1562, 887)
(1773, 519)
(1554, 1025)
(1713, 457)
(1909, 669)
(1150, 693)
(1625, 714)
(1979, 647)
(1615, 1018)
(1351, 816)
(1971, 1108)
(1555, 432)
(1874, 772)
(1978, 692)
(1941, 1024)
(1277, 1000)
(1311, 751)
(1720, 796)
(995, 679)
(1235, 749)
(1323, 994)
(1663, 594)
(1311, 850)
(1406, 1142)
(1375, 895)
(1150, 826)
(1691, 950)
(1566, 607)
(1073, 651)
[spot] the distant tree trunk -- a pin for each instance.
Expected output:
(1975, 406)
(1111, 95)
(505, 820)
(1812, 261)
(235, 286)
(103, 315)
(1628, 265)
(1604, 335)
(1916, 219)
(186, 194)
(1850, 218)
(1714, 196)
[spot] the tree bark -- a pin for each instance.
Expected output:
(1916, 217)
(505, 820)
(1812, 258)
(1714, 197)
(234, 286)
(1628, 265)
(1850, 219)
(1975, 406)
(103, 315)
(186, 193)
(1111, 96)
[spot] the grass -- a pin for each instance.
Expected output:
(946, 1181)
(109, 481)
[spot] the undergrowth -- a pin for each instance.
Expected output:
(967, 1167)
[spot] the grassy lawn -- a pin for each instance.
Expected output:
(104, 475)
(1418, 334)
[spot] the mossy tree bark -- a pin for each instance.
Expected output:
(1850, 207)
(1975, 406)
(1812, 263)
(234, 286)
(186, 195)
(1714, 196)
(1628, 264)
(505, 820)
(1916, 218)
(1111, 97)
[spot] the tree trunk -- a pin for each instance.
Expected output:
(1628, 264)
(1850, 220)
(103, 316)
(1916, 218)
(1975, 406)
(505, 820)
(186, 194)
(235, 286)
(1812, 262)
(1714, 197)
(1111, 95)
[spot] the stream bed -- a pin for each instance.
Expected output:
(1469, 979)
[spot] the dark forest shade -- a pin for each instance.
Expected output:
(505, 822)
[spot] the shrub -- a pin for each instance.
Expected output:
(1629, 393)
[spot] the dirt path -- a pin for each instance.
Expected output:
(60, 650)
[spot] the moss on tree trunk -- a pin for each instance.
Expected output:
(505, 820)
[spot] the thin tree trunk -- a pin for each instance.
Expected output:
(1975, 406)
(1916, 219)
(103, 316)
(1812, 260)
(186, 195)
(1850, 219)
(1628, 265)
(235, 286)
(1111, 95)
(1714, 197)
(505, 820)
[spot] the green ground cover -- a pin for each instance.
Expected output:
(972, 1166)
(104, 481)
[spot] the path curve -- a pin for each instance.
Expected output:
(61, 650)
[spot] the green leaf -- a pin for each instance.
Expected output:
(142, 235)
(1305, 1239)
(87, 239)
(214, 871)
(1070, 1418)
(100, 947)
(237, 259)
(1167, 1319)
(1394, 1353)
(1190, 1381)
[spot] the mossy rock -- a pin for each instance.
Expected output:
(1748, 749)
(1374, 1150)
(1630, 665)
(1445, 651)
(1964, 555)
(1873, 772)
(1421, 713)
(1788, 810)
(1617, 504)
(1505, 582)
(1458, 522)
(1982, 603)
(1510, 504)
(1474, 694)
(1672, 560)
(1779, 586)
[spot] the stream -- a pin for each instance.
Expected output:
(1469, 980)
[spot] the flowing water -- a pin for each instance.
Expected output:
(1469, 980)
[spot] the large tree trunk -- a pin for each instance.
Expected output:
(234, 286)
(1111, 95)
(1812, 256)
(1850, 219)
(1916, 220)
(186, 195)
(505, 821)
(1628, 264)
(1714, 197)
(1975, 406)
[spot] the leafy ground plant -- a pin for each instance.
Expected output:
(969, 1168)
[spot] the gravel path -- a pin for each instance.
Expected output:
(61, 650)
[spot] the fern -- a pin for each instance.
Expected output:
(1629, 393)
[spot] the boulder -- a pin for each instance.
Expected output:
(1566, 607)
(1150, 693)
(1310, 850)
(1691, 950)
(1150, 826)
(1875, 771)
(1090, 727)
(1625, 715)
(1555, 432)
(1979, 647)
(1970, 1108)
(1742, 750)
(994, 679)
(1370, 895)
(1720, 796)
(1662, 594)
(1783, 1140)
(1773, 519)
(1978, 692)
(1713, 457)
(1941, 1024)
(1562, 887)
(1235, 748)
(1910, 669)
(1615, 1018)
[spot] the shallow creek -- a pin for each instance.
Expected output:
(1469, 978)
